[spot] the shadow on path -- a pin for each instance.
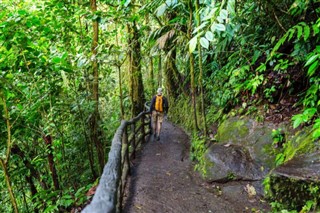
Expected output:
(162, 180)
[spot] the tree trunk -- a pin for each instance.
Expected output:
(136, 83)
(201, 73)
(193, 90)
(160, 71)
(120, 77)
(8, 182)
(52, 166)
(33, 172)
(4, 162)
(95, 133)
(173, 77)
(152, 74)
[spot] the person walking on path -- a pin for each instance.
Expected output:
(159, 107)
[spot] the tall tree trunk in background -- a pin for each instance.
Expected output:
(136, 83)
(118, 65)
(193, 89)
(95, 132)
(159, 71)
(152, 74)
(173, 77)
(201, 73)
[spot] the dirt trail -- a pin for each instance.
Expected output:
(163, 180)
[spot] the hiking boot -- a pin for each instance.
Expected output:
(158, 138)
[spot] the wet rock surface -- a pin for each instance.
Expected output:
(304, 167)
(232, 162)
(163, 180)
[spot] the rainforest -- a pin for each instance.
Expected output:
(71, 70)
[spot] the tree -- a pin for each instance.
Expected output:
(4, 162)
(134, 53)
(201, 71)
(96, 136)
(192, 75)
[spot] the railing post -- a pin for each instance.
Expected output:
(143, 130)
(127, 150)
(133, 129)
(125, 166)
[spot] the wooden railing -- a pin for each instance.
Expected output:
(127, 139)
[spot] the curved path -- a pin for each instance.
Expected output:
(162, 180)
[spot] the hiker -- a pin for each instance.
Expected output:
(159, 107)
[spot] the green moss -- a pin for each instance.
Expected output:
(207, 164)
(292, 194)
(232, 130)
(300, 144)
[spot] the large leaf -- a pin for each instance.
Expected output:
(299, 28)
(204, 42)
(313, 67)
(218, 27)
(209, 35)
(311, 60)
(161, 9)
(223, 14)
(193, 44)
(306, 32)
(297, 120)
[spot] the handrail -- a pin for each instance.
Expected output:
(109, 193)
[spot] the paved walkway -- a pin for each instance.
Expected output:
(163, 180)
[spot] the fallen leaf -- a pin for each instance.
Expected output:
(250, 190)
(138, 207)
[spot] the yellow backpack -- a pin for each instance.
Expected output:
(158, 105)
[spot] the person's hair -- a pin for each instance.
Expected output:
(159, 91)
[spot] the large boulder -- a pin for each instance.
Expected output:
(231, 162)
(248, 137)
(245, 151)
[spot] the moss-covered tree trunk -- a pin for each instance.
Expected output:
(193, 87)
(151, 74)
(204, 120)
(136, 83)
(95, 133)
(118, 65)
(160, 71)
(173, 77)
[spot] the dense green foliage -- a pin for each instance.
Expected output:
(44, 90)
(255, 56)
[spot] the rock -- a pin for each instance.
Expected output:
(245, 151)
(233, 162)
(304, 167)
(297, 181)
(255, 136)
